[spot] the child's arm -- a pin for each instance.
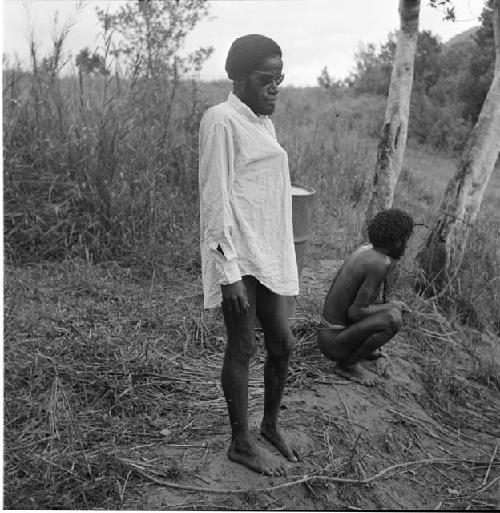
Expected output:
(363, 305)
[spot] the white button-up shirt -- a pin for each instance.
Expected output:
(245, 202)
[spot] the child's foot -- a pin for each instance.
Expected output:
(356, 373)
(374, 356)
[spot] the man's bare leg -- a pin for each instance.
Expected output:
(275, 374)
(279, 341)
(243, 448)
(240, 348)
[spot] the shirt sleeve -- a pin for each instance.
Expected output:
(216, 175)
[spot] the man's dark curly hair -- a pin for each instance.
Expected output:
(389, 227)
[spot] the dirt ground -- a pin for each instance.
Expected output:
(113, 401)
(344, 431)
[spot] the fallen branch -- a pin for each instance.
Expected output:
(169, 484)
(304, 479)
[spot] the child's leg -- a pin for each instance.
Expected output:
(350, 345)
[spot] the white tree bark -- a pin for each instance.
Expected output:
(393, 141)
(442, 255)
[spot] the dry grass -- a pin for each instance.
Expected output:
(102, 366)
(447, 415)
(85, 377)
(95, 168)
(474, 295)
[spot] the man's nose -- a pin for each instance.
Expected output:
(273, 85)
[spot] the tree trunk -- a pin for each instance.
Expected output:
(80, 84)
(392, 144)
(442, 254)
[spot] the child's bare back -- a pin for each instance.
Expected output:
(349, 279)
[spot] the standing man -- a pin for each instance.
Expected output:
(247, 249)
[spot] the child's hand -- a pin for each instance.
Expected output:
(402, 307)
(397, 304)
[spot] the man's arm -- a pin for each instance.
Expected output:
(216, 174)
(362, 305)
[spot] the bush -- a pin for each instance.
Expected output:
(96, 161)
(439, 126)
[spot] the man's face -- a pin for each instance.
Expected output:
(261, 86)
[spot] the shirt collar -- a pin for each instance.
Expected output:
(243, 109)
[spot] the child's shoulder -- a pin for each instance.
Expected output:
(370, 260)
(377, 262)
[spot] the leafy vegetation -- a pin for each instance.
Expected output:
(450, 81)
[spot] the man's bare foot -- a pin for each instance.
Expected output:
(356, 373)
(374, 356)
(256, 458)
(273, 434)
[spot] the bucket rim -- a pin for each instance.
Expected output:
(310, 190)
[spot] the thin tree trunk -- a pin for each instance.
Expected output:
(36, 86)
(145, 8)
(393, 141)
(80, 84)
(442, 255)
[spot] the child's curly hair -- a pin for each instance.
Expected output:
(389, 227)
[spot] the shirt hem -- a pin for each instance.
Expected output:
(215, 301)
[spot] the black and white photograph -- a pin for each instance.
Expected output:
(251, 255)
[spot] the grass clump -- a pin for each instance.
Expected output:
(96, 160)
(88, 380)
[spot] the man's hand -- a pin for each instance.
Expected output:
(234, 298)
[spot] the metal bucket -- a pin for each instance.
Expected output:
(302, 207)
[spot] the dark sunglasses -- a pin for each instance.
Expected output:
(266, 78)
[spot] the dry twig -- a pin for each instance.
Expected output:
(485, 480)
(304, 479)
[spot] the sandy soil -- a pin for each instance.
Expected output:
(347, 431)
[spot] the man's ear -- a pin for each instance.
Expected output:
(239, 86)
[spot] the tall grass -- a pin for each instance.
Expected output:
(96, 165)
(331, 147)
(473, 297)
